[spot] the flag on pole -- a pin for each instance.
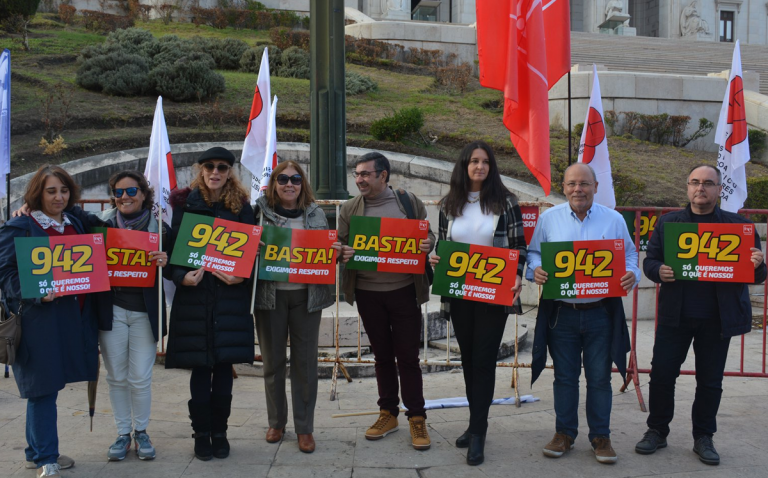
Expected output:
(159, 169)
(593, 147)
(5, 120)
(731, 135)
(255, 145)
(516, 54)
(270, 154)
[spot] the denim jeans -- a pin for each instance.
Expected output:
(128, 351)
(42, 432)
(569, 334)
(669, 352)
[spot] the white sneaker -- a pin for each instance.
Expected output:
(52, 470)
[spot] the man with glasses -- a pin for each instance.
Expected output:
(388, 303)
(570, 328)
(705, 313)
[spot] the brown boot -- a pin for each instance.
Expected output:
(560, 445)
(419, 436)
(306, 442)
(274, 435)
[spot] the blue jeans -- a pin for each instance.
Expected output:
(42, 433)
(569, 333)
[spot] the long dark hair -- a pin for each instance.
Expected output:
(34, 194)
(305, 196)
(493, 193)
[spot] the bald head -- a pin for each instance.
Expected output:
(581, 165)
(580, 186)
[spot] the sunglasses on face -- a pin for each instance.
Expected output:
(222, 168)
(282, 179)
(118, 192)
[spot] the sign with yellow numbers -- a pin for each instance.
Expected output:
(710, 252)
(583, 269)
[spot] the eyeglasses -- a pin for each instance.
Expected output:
(572, 185)
(282, 179)
(365, 174)
(707, 184)
(222, 168)
(131, 192)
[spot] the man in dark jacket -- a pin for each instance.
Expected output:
(707, 313)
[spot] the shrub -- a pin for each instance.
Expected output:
(400, 124)
(189, 78)
(54, 147)
(578, 129)
(355, 83)
(757, 196)
(628, 190)
(130, 40)
(120, 74)
(67, 13)
(285, 38)
(228, 53)
(251, 59)
(756, 142)
(104, 22)
(170, 48)
(294, 63)
(454, 77)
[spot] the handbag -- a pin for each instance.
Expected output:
(405, 200)
(10, 332)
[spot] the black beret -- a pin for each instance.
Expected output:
(217, 152)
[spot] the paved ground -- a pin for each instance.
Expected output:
(515, 435)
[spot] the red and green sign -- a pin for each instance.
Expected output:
(710, 252)
(67, 265)
(583, 269)
(472, 272)
(216, 245)
(530, 218)
(387, 245)
(299, 256)
(645, 229)
(128, 261)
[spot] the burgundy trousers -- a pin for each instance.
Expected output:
(392, 321)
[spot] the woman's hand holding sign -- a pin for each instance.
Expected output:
(160, 256)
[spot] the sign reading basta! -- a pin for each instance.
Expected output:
(472, 272)
(216, 245)
(66, 265)
(128, 261)
(710, 252)
(387, 245)
(583, 269)
(299, 256)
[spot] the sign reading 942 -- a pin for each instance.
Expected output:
(216, 245)
(710, 252)
(583, 269)
(66, 265)
(472, 272)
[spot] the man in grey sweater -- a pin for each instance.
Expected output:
(388, 304)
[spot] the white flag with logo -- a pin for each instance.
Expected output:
(256, 136)
(270, 155)
(159, 169)
(731, 135)
(593, 147)
(5, 120)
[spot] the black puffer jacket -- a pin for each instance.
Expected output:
(211, 322)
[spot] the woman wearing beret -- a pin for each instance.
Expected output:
(211, 326)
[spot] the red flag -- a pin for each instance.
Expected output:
(516, 54)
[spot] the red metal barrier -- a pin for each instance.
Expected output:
(632, 368)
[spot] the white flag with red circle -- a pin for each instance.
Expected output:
(256, 136)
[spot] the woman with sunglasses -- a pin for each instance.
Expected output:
(479, 209)
(59, 340)
(128, 318)
(211, 324)
(285, 309)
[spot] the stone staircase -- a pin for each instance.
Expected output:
(661, 55)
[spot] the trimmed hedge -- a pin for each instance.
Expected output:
(356, 84)
(294, 63)
(401, 123)
(251, 59)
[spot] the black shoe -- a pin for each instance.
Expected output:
(220, 444)
(203, 449)
(652, 441)
(200, 414)
(705, 448)
(463, 440)
(221, 406)
(475, 452)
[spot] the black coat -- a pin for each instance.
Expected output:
(59, 342)
(210, 323)
(732, 298)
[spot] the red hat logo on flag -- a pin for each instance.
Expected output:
(595, 134)
(736, 113)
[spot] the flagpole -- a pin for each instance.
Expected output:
(570, 131)
(160, 301)
(256, 268)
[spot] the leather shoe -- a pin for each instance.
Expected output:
(274, 435)
(463, 440)
(306, 442)
(475, 454)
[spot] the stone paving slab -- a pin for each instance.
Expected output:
(514, 441)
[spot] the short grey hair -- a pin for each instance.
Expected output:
(380, 162)
(594, 176)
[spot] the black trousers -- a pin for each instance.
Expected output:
(479, 328)
(207, 381)
(669, 352)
